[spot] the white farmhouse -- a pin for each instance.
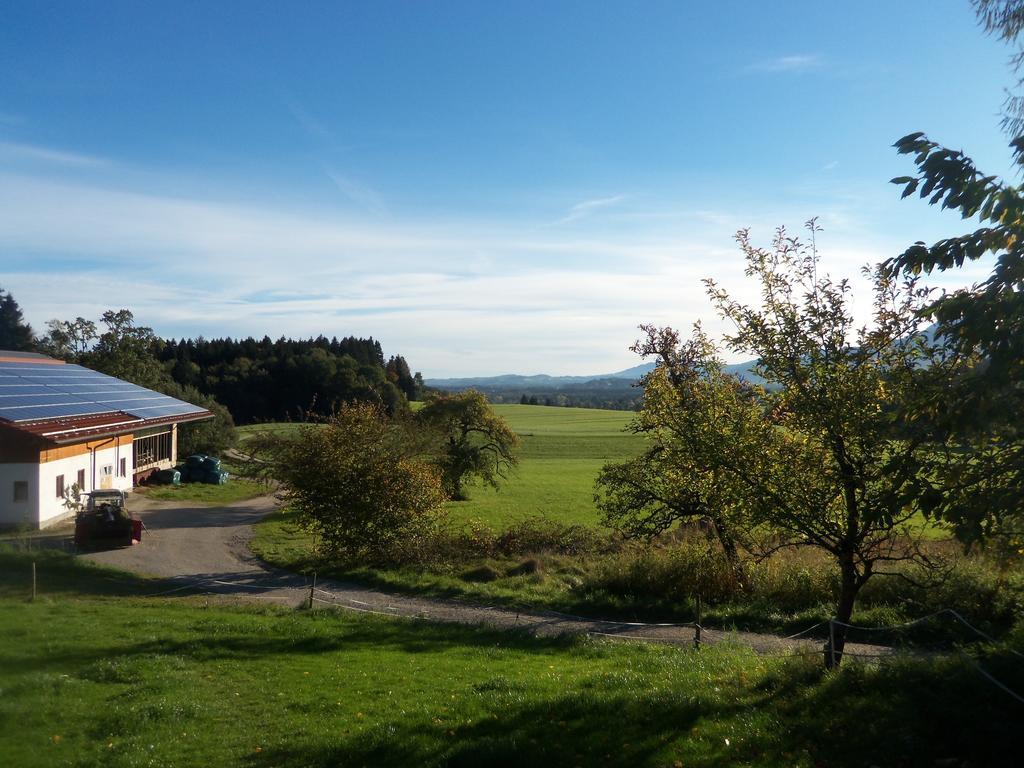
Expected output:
(63, 425)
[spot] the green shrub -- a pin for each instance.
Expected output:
(679, 573)
(793, 581)
(536, 535)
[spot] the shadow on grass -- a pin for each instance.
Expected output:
(59, 573)
(583, 728)
(899, 714)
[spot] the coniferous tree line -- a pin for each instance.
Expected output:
(263, 380)
(239, 380)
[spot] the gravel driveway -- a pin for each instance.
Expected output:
(207, 548)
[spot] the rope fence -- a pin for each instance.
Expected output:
(315, 595)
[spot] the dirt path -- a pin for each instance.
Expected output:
(208, 548)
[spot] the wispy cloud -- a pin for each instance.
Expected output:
(358, 193)
(583, 209)
(467, 294)
(312, 125)
(13, 151)
(793, 63)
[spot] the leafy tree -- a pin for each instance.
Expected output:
(398, 373)
(669, 482)
(978, 411)
(1005, 20)
(129, 352)
(214, 436)
(474, 442)
(15, 334)
(820, 456)
(69, 340)
(126, 350)
(355, 483)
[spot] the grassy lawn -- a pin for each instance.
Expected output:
(563, 449)
(95, 675)
(201, 493)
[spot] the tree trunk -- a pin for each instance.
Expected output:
(849, 586)
(732, 555)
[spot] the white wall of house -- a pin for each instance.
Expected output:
(102, 469)
(22, 512)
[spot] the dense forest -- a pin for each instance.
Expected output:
(241, 381)
(612, 394)
(288, 379)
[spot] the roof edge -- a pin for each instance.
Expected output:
(123, 429)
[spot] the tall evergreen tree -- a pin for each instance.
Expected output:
(15, 333)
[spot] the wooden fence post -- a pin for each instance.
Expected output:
(832, 643)
(696, 633)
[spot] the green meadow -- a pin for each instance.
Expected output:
(562, 451)
(97, 674)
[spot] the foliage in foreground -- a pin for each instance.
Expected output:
(978, 413)
(122, 681)
(546, 564)
(819, 458)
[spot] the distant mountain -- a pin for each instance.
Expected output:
(543, 382)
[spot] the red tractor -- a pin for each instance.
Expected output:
(106, 521)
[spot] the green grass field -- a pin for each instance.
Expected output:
(562, 451)
(94, 674)
(201, 493)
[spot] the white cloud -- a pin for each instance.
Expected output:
(13, 151)
(794, 63)
(457, 297)
(312, 125)
(587, 207)
(361, 194)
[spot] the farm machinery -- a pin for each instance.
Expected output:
(106, 521)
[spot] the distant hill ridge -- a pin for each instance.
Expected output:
(543, 381)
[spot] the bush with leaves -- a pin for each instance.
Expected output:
(356, 483)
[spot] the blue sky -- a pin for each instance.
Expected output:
(484, 187)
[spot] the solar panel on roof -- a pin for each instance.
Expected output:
(50, 411)
(32, 392)
(23, 389)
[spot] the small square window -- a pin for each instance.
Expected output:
(21, 490)
(60, 486)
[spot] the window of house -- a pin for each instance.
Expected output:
(21, 490)
(81, 480)
(60, 486)
(124, 467)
